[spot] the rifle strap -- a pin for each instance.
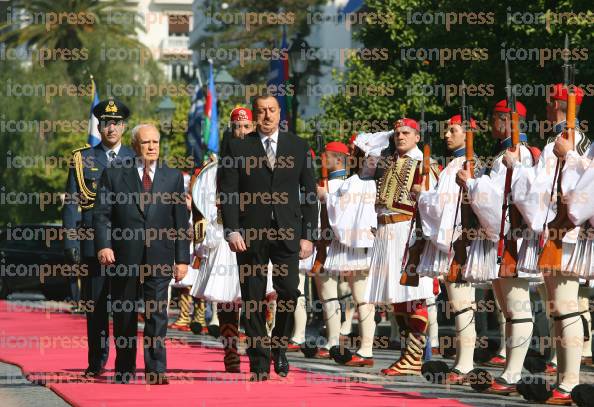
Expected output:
(462, 311)
(344, 296)
(575, 314)
(329, 299)
(519, 321)
(585, 323)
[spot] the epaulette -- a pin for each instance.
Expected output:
(87, 194)
(86, 146)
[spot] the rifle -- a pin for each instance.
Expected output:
(458, 248)
(324, 241)
(507, 249)
(551, 252)
(412, 255)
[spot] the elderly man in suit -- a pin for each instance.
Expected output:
(269, 209)
(141, 237)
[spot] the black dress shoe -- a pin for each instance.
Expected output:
(281, 364)
(93, 373)
(123, 377)
(259, 376)
(155, 378)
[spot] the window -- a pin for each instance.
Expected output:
(179, 25)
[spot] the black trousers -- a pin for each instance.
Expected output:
(253, 268)
(95, 291)
(128, 298)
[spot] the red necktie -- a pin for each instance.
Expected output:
(146, 180)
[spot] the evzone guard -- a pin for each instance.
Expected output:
(539, 194)
(493, 255)
(399, 173)
(445, 220)
(333, 288)
(580, 171)
(352, 219)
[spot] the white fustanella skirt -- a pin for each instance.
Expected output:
(383, 283)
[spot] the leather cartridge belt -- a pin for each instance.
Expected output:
(393, 218)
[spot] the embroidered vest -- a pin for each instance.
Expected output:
(393, 189)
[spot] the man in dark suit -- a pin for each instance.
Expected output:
(87, 166)
(141, 231)
(261, 179)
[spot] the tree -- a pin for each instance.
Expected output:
(226, 28)
(416, 80)
(46, 107)
(64, 29)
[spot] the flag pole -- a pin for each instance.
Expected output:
(92, 87)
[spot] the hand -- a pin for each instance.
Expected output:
(510, 158)
(462, 176)
(236, 243)
(416, 190)
(562, 147)
(322, 193)
(106, 257)
(180, 271)
(306, 249)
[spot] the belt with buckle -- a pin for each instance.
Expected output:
(393, 218)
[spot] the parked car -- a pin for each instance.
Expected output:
(24, 252)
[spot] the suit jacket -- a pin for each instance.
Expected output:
(94, 161)
(288, 191)
(165, 214)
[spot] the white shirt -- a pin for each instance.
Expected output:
(116, 150)
(140, 169)
(274, 137)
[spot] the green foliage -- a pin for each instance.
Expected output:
(73, 26)
(45, 104)
(402, 74)
(253, 24)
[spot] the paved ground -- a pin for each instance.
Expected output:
(16, 391)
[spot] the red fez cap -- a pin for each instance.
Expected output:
(240, 114)
(407, 122)
(501, 106)
(337, 147)
(352, 139)
(457, 119)
(559, 92)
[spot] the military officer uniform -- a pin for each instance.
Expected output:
(85, 171)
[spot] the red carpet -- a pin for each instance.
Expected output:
(51, 347)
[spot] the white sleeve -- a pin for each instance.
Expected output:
(531, 189)
(437, 208)
(580, 203)
(486, 197)
(575, 166)
(351, 212)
